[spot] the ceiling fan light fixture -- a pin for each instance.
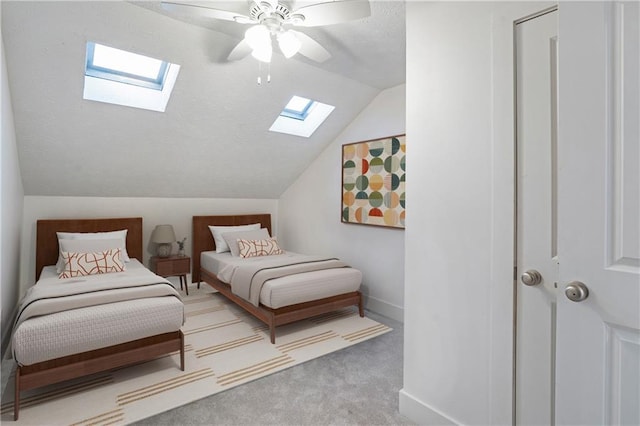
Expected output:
(289, 43)
(263, 53)
(258, 37)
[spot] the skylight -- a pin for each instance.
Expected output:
(297, 108)
(301, 117)
(124, 78)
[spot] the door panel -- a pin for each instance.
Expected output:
(598, 339)
(536, 236)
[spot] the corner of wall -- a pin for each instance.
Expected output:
(420, 412)
(11, 211)
(378, 252)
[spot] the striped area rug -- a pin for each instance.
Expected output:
(224, 347)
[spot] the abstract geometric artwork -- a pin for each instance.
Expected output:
(373, 182)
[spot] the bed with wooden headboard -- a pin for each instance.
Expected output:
(203, 242)
(50, 371)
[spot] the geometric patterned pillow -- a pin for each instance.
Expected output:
(81, 264)
(255, 248)
(83, 245)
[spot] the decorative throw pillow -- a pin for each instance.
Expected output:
(109, 235)
(217, 231)
(232, 238)
(82, 264)
(255, 248)
(87, 246)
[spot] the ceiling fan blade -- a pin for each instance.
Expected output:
(332, 13)
(241, 50)
(207, 12)
(311, 48)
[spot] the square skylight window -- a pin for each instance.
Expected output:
(124, 78)
(301, 117)
(297, 108)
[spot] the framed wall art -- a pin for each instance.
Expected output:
(373, 182)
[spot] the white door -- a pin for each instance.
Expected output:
(536, 250)
(598, 339)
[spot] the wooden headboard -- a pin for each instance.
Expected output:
(203, 240)
(47, 240)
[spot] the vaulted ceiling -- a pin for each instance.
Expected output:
(213, 138)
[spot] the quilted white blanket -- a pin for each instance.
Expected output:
(51, 295)
(246, 279)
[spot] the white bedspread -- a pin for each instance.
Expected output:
(147, 305)
(51, 294)
(287, 290)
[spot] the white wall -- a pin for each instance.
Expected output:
(309, 211)
(459, 239)
(154, 211)
(11, 194)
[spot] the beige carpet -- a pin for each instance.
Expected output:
(224, 347)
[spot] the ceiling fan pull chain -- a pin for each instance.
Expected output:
(259, 80)
(259, 73)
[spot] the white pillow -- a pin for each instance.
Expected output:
(98, 236)
(232, 238)
(114, 240)
(217, 231)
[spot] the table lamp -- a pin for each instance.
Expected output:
(164, 236)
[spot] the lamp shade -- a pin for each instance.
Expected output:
(163, 234)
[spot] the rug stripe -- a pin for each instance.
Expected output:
(147, 391)
(260, 328)
(110, 417)
(168, 388)
(54, 394)
(204, 311)
(211, 327)
(210, 350)
(193, 300)
(332, 316)
(296, 344)
(173, 379)
(254, 370)
(370, 331)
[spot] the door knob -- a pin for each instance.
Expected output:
(576, 291)
(531, 277)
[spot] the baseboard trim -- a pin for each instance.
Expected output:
(419, 412)
(384, 308)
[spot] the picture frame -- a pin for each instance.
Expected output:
(373, 182)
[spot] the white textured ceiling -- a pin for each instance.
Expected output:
(213, 139)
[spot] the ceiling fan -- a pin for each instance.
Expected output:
(270, 19)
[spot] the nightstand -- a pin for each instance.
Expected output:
(177, 266)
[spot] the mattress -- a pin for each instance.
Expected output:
(73, 331)
(290, 290)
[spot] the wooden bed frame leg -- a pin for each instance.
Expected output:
(272, 330)
(16, 399)
(360, 306)
(181, 351)
(272, 327)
